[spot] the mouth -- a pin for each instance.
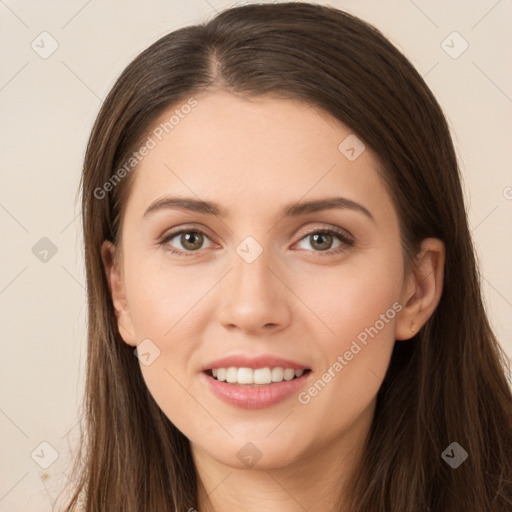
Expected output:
(258, 388)
(259, 377)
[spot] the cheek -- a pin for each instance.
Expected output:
(165, 307)
(364, 309)
(356, 300)
(162, 299)
(359, 304)
(360, 310)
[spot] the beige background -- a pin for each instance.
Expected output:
(47, 109)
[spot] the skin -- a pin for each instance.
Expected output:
(253, 157)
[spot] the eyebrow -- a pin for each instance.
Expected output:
(292, 210)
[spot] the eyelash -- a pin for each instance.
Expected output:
(342, 236)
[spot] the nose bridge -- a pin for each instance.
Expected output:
(251, 297)
(250, 275)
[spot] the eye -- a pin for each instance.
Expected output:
(191, 240)
(322, 239)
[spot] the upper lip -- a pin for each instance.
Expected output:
(244, 361)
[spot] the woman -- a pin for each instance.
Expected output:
(274, 226)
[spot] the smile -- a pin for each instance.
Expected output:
(250, 395)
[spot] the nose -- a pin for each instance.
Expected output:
(253, 297)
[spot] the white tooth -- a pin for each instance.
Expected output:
(262, 376)
(266, 375)
(244, 376)
(277, 374)
(231, 374)
(289, 374)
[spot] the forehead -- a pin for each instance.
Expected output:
(249, 154)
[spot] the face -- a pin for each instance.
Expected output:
(263, 281)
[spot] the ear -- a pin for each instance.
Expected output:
(117, 290)
(422, 290)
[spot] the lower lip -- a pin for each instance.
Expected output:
(256, 397)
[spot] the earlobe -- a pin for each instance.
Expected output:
(423, 289)
(117, 292)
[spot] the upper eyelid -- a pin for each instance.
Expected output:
(336, 230)
(172, 233)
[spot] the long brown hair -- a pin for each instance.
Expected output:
(447, 384)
